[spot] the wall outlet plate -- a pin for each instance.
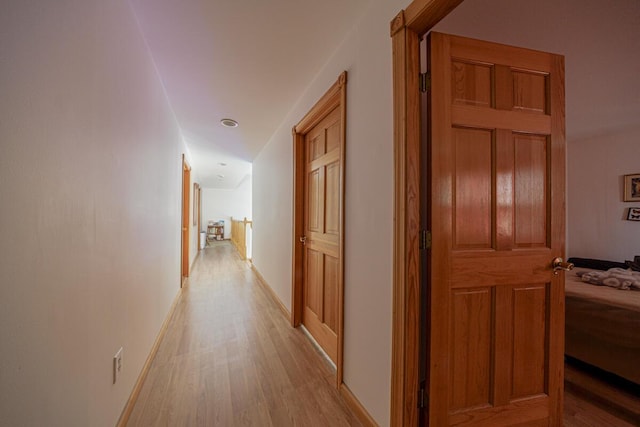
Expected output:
(117, 365)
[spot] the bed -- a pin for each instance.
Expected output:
(603, 326)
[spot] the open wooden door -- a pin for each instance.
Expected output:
(495, 323)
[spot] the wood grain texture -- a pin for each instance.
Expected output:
(406, 253)
(480, 248)
(239, 235)
(581, 411)
(322, 230)
(230, 358)
(587, 387)
(319, 181)
(298, 226)
(473, 162)
(422, 15)
(399, 352)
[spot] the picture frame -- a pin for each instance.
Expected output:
(634, 214)
(632, 188)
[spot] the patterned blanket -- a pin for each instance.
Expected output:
(618, 278)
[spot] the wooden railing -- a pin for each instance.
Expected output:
(239, 235)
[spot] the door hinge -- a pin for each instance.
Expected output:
(425, 82)
(425, 239)
(423, 399)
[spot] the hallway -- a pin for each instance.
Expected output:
(230, 357)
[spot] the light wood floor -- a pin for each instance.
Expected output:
(230, 358)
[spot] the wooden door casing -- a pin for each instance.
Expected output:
(496, 312)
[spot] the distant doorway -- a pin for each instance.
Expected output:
(197, 194)
(186, 187)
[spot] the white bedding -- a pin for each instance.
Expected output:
(574, 287)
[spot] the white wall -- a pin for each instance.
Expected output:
(366, 55)
(596, 213)
(220, 204)
(90, 175)
(599, 40)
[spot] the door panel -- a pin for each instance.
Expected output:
(332, 200)
(470, 360)
(313, 284)
(495, 321)
(314, 192)
(322, 230)
(330, 307)
(471, 84)
(530, 188)
(473, 188)
(529, 345)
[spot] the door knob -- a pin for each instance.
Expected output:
(558, 265)
(303, 239)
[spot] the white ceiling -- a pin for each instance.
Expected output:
(248, 60)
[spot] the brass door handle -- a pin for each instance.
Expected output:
(559, 264)
(303, 239)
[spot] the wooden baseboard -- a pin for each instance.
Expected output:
(128, 409)
(354, 404)
(193, 263)
(271, 293)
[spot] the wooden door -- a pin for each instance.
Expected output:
(321, 249)
(186, 219)
(496, 309)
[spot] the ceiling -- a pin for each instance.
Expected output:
(248, 60)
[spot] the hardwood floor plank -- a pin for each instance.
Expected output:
(230, 358)
(580, 412)
(597, 395)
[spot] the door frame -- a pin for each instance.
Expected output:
(197, 194)
(335, 97)
(185, 220)
(406, 29)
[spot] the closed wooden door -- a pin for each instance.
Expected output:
(496, 309)
(321, 249)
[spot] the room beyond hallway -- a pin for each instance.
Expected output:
(230, 357)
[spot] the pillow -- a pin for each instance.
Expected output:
(597, 264)
(618, 278)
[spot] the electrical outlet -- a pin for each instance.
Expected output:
(117, 365)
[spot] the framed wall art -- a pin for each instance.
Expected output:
(634, 214)
(632, 188)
